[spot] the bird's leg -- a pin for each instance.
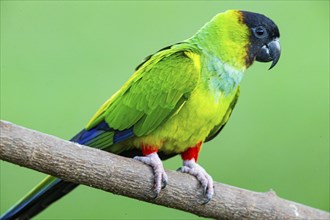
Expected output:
(190, 166)
(152, 159)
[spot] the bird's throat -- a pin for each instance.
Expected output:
(219, 77)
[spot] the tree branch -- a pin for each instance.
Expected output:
(112, 173)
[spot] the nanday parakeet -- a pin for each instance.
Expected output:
(177, 99)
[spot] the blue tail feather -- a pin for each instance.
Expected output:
(52, 188)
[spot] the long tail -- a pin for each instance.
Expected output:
(51, 188)
(47, 192)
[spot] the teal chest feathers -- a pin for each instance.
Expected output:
(221, 78)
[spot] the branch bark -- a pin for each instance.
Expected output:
(84, 165)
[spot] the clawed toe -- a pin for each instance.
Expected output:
(208, 194)
(189, 166)
(206, 181)
(164, 180)
(160, 176)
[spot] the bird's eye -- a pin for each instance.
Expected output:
(260, 32)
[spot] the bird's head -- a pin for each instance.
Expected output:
(264, 39)
(240, 37)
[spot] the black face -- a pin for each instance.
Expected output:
(264, 39)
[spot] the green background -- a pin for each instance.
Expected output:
(61, 60)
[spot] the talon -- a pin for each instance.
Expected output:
(160, 176)
(165, 180)
(205, 190)
(206, 181)
(157, 192)
(205, 201)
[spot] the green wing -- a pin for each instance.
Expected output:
(217, 129)
(154, 93)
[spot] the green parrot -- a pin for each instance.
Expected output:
(177, 99)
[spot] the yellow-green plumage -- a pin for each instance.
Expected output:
(179, 95)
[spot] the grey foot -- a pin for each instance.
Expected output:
(156, 164)
(206, 181)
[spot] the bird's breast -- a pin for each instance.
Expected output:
(205, 108)
(192, 123)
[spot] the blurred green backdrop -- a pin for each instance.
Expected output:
(61, 60)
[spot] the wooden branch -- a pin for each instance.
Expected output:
(112, 173)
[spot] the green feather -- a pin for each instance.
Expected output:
(154, 92)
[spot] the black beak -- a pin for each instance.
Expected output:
(270, 52)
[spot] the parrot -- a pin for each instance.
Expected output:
(176, 100)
